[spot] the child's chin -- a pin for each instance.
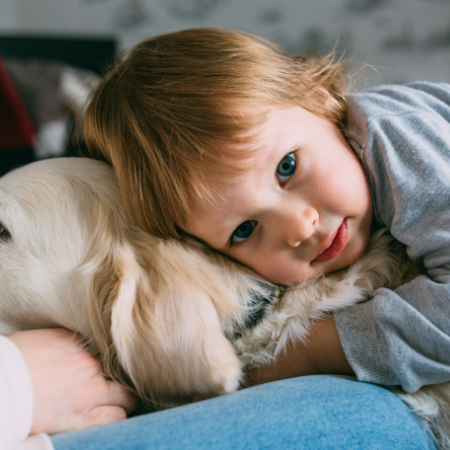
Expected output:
(353, 252)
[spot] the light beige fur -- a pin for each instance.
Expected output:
(165, 318)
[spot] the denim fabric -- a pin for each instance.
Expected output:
(314, 413)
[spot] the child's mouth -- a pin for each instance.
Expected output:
(338, 243)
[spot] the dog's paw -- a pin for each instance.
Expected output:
(232, 378)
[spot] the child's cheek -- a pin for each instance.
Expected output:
(282, 269)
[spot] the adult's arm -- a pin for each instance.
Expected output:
(55, 386)
(16, 402)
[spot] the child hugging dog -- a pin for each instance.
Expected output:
(266, 158)
(221, 137)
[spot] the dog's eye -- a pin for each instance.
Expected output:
(5, 235)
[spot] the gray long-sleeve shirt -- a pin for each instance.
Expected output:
(402, 337)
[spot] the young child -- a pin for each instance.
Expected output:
(266, 158)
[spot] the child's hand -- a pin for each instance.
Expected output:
(70, 391)
(323, 353)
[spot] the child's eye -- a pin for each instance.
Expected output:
(286, 168)
(243, 231)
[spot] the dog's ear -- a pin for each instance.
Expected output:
(165, 333)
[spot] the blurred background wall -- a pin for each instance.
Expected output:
(44, 42)
(406, 39)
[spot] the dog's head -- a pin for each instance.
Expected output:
(43, 238)
(155, 312)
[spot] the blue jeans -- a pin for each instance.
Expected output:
(314, 413)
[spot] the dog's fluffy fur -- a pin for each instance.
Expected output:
(173, 321)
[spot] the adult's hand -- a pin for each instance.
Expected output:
(70, 391)
(321, 353)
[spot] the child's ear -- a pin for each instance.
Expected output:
(165, 326)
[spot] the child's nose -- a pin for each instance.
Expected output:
(298, 225)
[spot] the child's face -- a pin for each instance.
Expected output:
(303, 209)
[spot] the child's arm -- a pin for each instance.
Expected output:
(321, 354)
(402, 337)
(399, 337)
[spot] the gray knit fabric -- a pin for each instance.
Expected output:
(402, 337)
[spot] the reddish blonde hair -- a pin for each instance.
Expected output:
(165, 115)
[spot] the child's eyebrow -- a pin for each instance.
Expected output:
(223, 236)
(215, 234)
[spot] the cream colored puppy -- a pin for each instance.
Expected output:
(172, 320)
(153, 312)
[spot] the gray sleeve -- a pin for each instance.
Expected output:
(402, 337)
